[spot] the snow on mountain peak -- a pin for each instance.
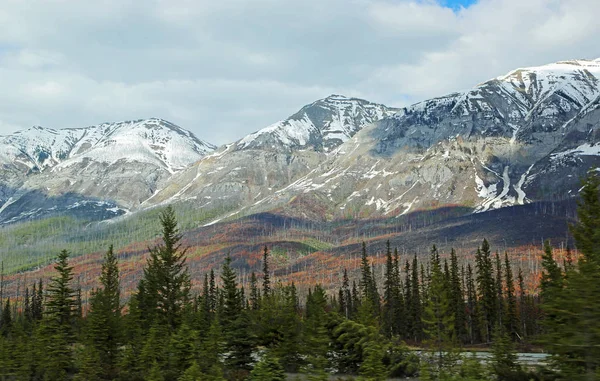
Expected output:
(321, 125)
(151, 140)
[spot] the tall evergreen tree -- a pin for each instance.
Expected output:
(254, 292)
(236, 325)
(499, 292)
(570, 304)
(165, 290)
(266, 273)
(456, 297)
(472, 312)
(511, 315)
(487, 291)
(389, 295)
(57, 335)
(104, 329)
(438, 320)
(416, 306)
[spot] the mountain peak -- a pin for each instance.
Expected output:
(321, 125)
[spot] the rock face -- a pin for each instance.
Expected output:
(110, 168)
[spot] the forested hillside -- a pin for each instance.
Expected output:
(368, 326)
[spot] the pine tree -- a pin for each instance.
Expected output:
(416, 307)
(37, 307)
(389, 295)
(236, 325)
(456, 297)
(398, 325)
(345, 296)
(104, 319)
(438, 319)
(512, 317)
(315, 337)
(254, 292)
(266, 273)
(570, 304)
(472, 314)
(499, 292)
(487, 291)
(57, 331)
(165, 288)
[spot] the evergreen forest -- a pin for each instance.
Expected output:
(423, 319)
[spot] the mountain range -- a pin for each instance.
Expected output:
(525, 137)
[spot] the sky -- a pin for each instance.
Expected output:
(223, 69)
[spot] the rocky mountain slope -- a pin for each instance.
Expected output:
(100, 170)
(239, 174)
(528, 135)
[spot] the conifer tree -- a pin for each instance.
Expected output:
(315, 338)
(438, 319)
(266, 273)
(254, 292)
(165, 288)
(398, 325)
(499, 292)
(57, 333)
(236, 325)
(456, 297)
(408, 325)
(570, 304)
(487, 291)
(369, 306)
(416, 307)
(512, 317)
(104, 319)
(472, 315)
(389, 295)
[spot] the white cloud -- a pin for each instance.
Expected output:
(226, 68)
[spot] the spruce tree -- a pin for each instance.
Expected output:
(416, 306)
(487, 291)
(438, 319)
(398, 325)
(570, 304)
(511, 315)
(165, 288)
(499, 292)
(254, 292)
(239, 342)
(57, 333)
(456, 297)
(389, 295)
(472, 314)
(266, 273)
(104, 330)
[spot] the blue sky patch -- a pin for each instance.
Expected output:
(457, 4)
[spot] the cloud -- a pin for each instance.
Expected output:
(226, 68)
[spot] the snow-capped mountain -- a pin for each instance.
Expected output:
(238, 174)
(153, 141)
(497, 144)
(113, 164)
(525, 136)
(321, 125)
